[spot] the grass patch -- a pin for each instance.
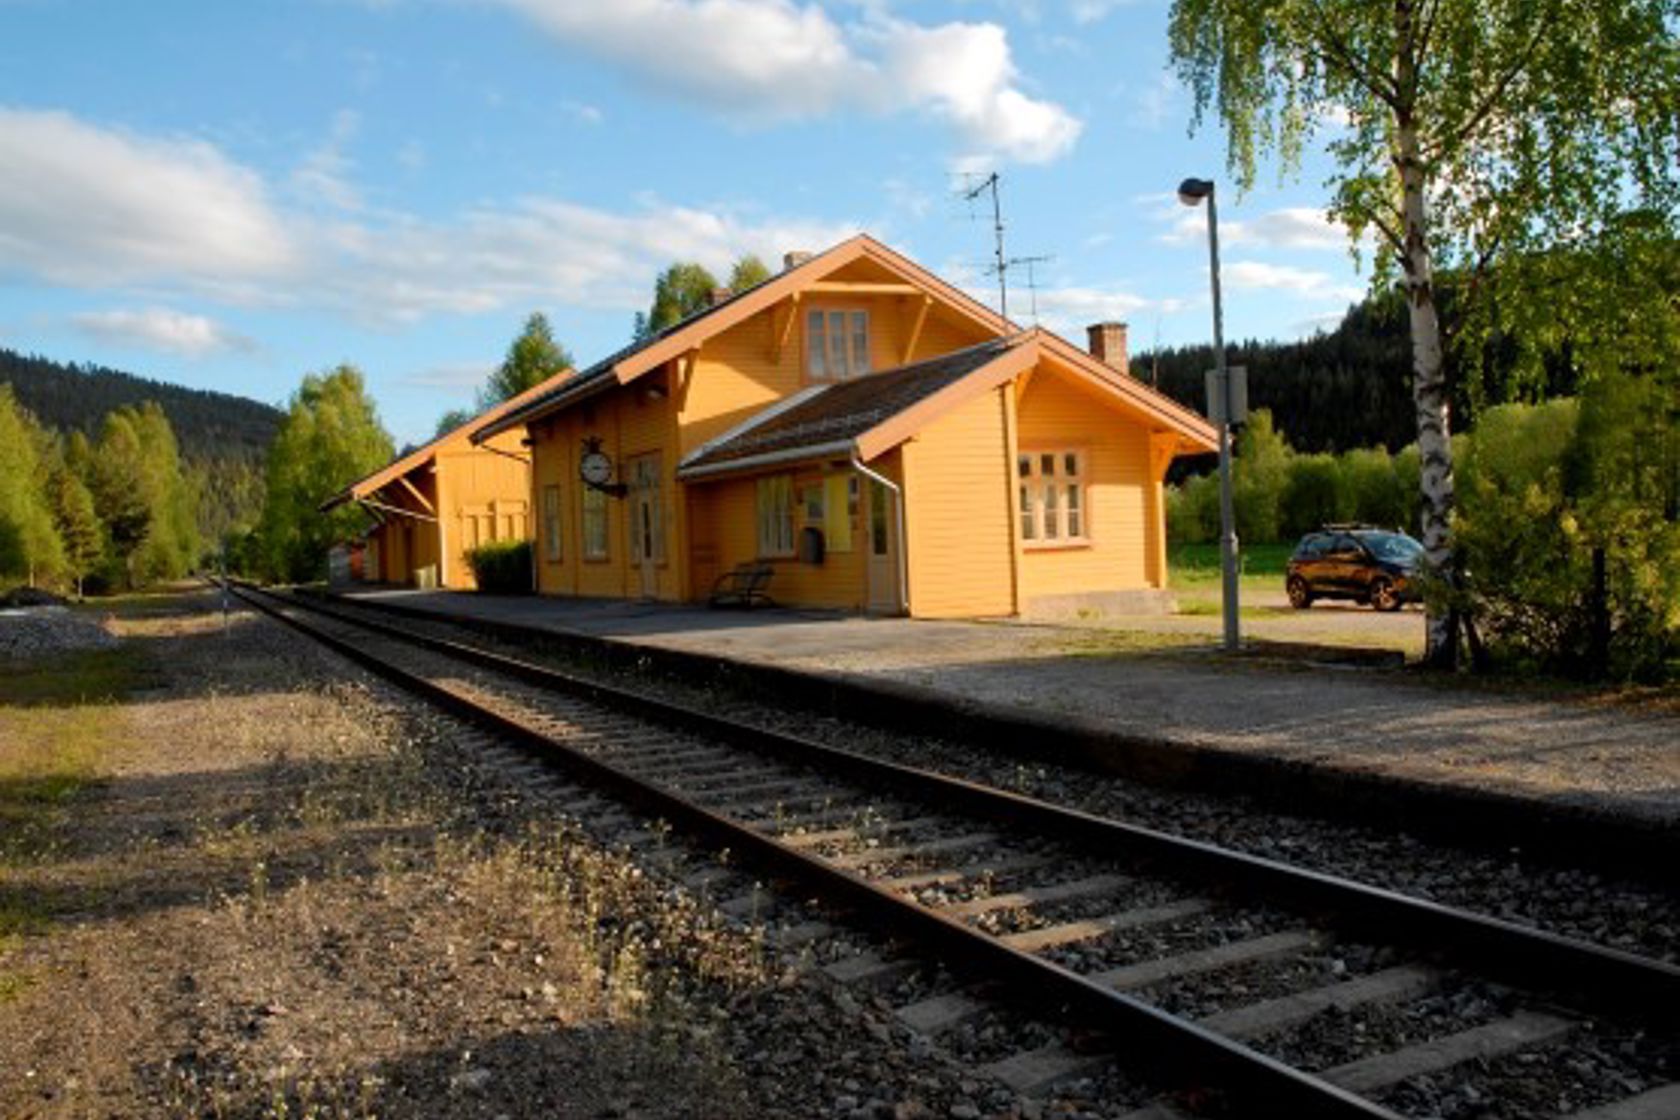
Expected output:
(1109, 643)
(91, 676)
(1213, 608)
(1193, 564)
(57, 719)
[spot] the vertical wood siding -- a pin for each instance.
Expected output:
(1055, 415)
(957, 487)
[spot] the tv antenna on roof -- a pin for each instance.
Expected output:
(990, 183)
(1032, 279)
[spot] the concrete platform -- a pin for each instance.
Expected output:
(1551, 750)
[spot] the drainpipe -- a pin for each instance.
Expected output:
(903, 534)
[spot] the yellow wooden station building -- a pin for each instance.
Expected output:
(872, 436)
(434, 504)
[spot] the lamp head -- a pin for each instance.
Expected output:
(1192, 191)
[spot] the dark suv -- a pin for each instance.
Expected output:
(1375, 566)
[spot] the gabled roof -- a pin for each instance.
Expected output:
(838, 414)
(649, 354)
(424, 454)
(870, 415)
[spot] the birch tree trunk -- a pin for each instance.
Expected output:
(1429, 393)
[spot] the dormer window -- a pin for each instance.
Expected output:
(836, 344)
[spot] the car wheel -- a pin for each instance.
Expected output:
(1384, 595)
(1300, 596)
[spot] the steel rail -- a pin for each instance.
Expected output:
(1583, 974)
(1171, 1050)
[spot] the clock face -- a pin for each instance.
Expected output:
(595, 468)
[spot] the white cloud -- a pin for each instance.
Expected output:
(1276, 277)
(449, 375)
(582, 113)
(324, 174)
(1093, 11)
(545, 249)
(775, 59)
(1070, 310)
(159, 328)
(202, 226)
(82, 205)
(1158, 102)
(1294, 227)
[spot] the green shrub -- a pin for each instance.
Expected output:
(1261, 468)
(1372, 486)
(1193, 510)
(1541, 488)
(1313, 494)
(502, 567)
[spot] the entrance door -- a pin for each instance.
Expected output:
(883, 551)
(647, 529)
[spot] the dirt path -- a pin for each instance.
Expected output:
(283, 896)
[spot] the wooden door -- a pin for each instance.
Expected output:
(884, 597)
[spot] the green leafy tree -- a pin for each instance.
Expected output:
(680, 291)
(748, 272)
(29, 544)
(532, 358)
(331, 436)
(142, 497)
(451, 420)
(1478, 133)
(1258, 477)
(78, 524)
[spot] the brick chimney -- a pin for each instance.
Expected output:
(719, 295)
(794, 258)
(1108, 345)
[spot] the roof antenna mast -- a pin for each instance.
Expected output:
(990, 183)
(1032, 280)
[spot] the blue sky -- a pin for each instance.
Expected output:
(229, 196)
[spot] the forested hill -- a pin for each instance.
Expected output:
(1340, 389)
(207, 425)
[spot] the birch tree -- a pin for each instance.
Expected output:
(1465, 134)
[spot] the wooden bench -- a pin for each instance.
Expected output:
(743, 585)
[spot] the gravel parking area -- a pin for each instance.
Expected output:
(282, 891)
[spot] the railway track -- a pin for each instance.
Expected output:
(1237, 984)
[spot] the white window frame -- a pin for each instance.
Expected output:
(597, 533)
(774, 506)
(817, 341)
(1052, 489)
(553, 539)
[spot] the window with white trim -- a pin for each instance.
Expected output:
(1052, 496)
(551, 524)
(836, 344)
(594, 524)
(775, 515)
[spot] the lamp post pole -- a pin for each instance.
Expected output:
(1191, 192)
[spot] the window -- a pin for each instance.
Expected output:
(811, 500)
(840, 503)
(647, 510)
(594, 524)
(836, 344)
(551, 523)
(1052, 496)
(775, 515)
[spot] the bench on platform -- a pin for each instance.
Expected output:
(743, 586)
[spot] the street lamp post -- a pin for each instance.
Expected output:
(1191, 192)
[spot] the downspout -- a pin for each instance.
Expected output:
(903, 530)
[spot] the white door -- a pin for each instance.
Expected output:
(647, 530)
(884, 596)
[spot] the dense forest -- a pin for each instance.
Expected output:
(1349, 387)
(71, 397)
(222, 439)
